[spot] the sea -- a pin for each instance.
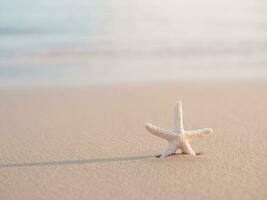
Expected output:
(94, 42)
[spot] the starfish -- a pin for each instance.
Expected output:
(177, 138)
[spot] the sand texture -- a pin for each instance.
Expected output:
(90, 143)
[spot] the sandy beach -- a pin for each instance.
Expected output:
(80, 79)
(90, 142)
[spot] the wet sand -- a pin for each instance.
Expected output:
(90, 142)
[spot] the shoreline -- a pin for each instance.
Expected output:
(163, 83)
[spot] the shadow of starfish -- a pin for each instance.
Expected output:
(74, 162)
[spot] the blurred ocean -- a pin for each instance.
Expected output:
(70, 42)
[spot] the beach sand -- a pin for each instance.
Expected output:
(90, 142)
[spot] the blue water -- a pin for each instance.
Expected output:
(67, 42)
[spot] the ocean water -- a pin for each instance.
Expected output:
(83, 42)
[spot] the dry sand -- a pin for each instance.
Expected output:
(90, 143)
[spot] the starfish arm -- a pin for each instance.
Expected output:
(178, 118)
(186, 148)
(170, 149)
(165, 134)
(191, 135)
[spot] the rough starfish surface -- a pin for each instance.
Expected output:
(177, 138)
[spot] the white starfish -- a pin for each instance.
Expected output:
(177, 138)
